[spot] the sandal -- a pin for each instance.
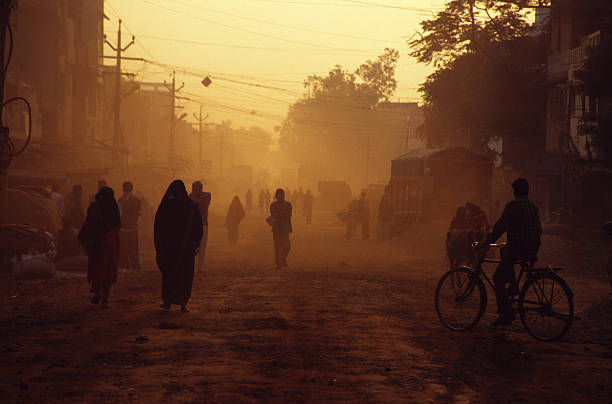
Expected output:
(184, 309)
(165, 305)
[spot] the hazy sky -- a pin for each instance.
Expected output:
(271, 44)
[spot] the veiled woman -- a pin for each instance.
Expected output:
(177, 234)
(235, 214)
(99, 236)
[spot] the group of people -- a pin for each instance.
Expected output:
(135, 212)
(109, 235)
(237, 212)
(357, 214)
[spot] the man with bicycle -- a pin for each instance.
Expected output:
(521, 221)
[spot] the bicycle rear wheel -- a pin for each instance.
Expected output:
(546, 306)
(461, 299)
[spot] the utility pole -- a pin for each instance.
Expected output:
(200, 123)
(172, 146)
(407, 133)
(117, 160)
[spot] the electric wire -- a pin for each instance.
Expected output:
(285, 25)
(242, 29)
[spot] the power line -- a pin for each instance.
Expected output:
(244, 30)
(369, 52)
(285, 25)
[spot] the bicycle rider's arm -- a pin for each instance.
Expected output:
(502, 225)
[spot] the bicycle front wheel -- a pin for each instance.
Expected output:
(546, 306)
(461, 299)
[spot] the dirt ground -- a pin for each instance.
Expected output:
(346, 322)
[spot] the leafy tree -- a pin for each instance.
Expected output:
(468, 26)
(490, 76)
(338, 114)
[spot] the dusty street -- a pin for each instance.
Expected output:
(347, 321)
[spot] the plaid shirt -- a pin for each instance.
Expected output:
(521, 219)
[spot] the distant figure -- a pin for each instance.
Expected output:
(74, 207)
(235, 214)
(385, 214)
(147, 215)
(308, 204)
(67, 241)
(177, 234)
(58, 198)
(280, 219)
(101, 184)
(262, 201)
(350, 216)
(363, 214)
(268, 197)
(130, 207)
(202, 200)
(100, 238)
(476, 217)
(460, 221)
(521, 221)
(249, 200)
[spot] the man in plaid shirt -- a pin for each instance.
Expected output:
(521, 221)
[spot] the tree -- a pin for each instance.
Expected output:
(490, 76)
(338, 114)
(468, 26)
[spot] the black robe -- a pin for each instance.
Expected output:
(177, 233)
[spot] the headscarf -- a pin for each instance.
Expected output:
(176, 192)
(105, 202)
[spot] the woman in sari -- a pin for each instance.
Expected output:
(235, 214)
(177, 235)
(99, 236)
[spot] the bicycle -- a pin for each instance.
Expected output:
(546, 313)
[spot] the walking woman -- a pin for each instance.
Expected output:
(280, 219)
(235, 214)
(177, 234)
(99, 236)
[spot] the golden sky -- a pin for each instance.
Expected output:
(271, 44)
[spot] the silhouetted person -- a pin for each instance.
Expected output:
(262, 201)
(74, 207)
(460, 221)
(350, 216)
(363, 214)
(280, 217)
(145, 226)
(308, 204)
(249, 201)
(235, 214)
(130, 207)
(100, 238)
(268, 198)
(58, 198)
(476, 217)
(177, 234)
(385, 214)
(67, 241)
(521, 220)
(101, 184)
(202, 200)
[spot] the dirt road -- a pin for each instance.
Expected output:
(347, 321)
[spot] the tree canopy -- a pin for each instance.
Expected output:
(490, 74)
(339, 113)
